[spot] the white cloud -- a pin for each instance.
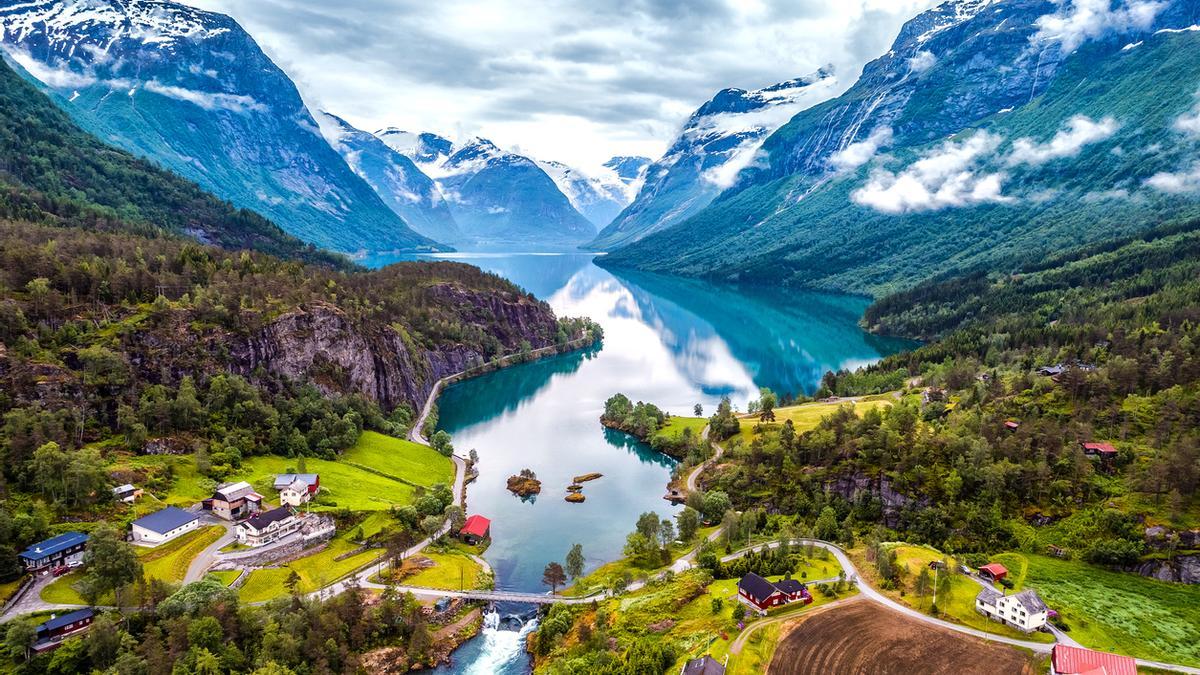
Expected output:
(946, 177)
(1079, 131)
(1181, 182)
(924, 60)
(1078, 21)
(205, 99)
(1189, 122)
(856, 154)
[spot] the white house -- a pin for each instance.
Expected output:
(126, 493)
(1024, 611)
(162, 526)
(264, 528)
(297, 488)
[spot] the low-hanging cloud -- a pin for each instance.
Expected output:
(856, 154)
(1179, 182)
(948, 176)
(1078, 21)
(1189, 122)
(1079, 132)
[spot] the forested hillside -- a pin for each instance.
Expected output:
(989, 455)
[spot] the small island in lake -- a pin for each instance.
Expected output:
(586, 477)
(575, 497)
(524, 484)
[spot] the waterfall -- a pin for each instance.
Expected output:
(496, 650)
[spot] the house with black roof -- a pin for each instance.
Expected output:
(268, 526)
(51, 633)
(763, 595)
(65, 548)
(163, 526)
(705, 665)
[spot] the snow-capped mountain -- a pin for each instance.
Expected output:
(192, 91)
(498, 198)
(990, 134)
(718, 141)
(630, 170)
(599, 195)
(394, 177)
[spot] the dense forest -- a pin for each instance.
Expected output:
(1095, 345)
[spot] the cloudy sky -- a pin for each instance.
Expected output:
(577, 81)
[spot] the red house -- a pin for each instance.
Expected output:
(476, 529)
(763, 595)
(993, 571)
(1101, 450)
(1078, 661)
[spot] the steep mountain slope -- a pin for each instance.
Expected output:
(718, 140)
(630, 170)
(599, 197)
(51, 171)
(192, 91)
(498, 198)
(394, 177)
(1062, 131)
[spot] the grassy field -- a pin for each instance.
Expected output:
(7, 590)
(1116, 611)
(675, 426)
(604, 575)
(315, 571)
(374, 475)
(957, 606)
(226, 577)
(167, 562)
(451, 571)
(805, 417)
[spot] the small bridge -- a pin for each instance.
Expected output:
(502, 596)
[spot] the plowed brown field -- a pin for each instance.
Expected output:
(862, 637)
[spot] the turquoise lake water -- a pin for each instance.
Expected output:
(669, 341)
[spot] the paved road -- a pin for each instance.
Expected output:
(694, 476)
(206, 558)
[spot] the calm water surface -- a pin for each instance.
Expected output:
(669, 341)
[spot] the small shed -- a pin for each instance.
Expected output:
(1101, 450)
(993, 571)
(476, 529)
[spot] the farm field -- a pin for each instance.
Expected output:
(861, 637)
(226, 577)
(1116, 611)
(806, 416)
(675, 426)
(396, 457)
(451, 571)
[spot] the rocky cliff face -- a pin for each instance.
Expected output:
(1183, 569)
(320, 344)
(852, 487)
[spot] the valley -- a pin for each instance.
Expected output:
(884, 357)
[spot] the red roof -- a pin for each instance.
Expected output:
(1104, 448)
(1078, 661)
(995, 569)
(1012, 425)
(476, 526)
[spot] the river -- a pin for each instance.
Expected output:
(673, 342)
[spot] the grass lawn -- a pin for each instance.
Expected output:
(675, 426)
(451, 571)
(315, 571)
(342, 485)
(185, 491)
(1116, 611)
(7, 590)
(226, 577)
(805, 417)
(957, 606)
(167, 562)
(408, 461)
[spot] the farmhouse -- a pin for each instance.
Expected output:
(993, 571)
(234, 501)
(705, 665)
(1079, 661)
(51, 633)
(126, 493)
(476, 529)
(264, 528)
(1024, 611)
(763, 595)
(297, 488)
(162, 526)
(65, 548)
